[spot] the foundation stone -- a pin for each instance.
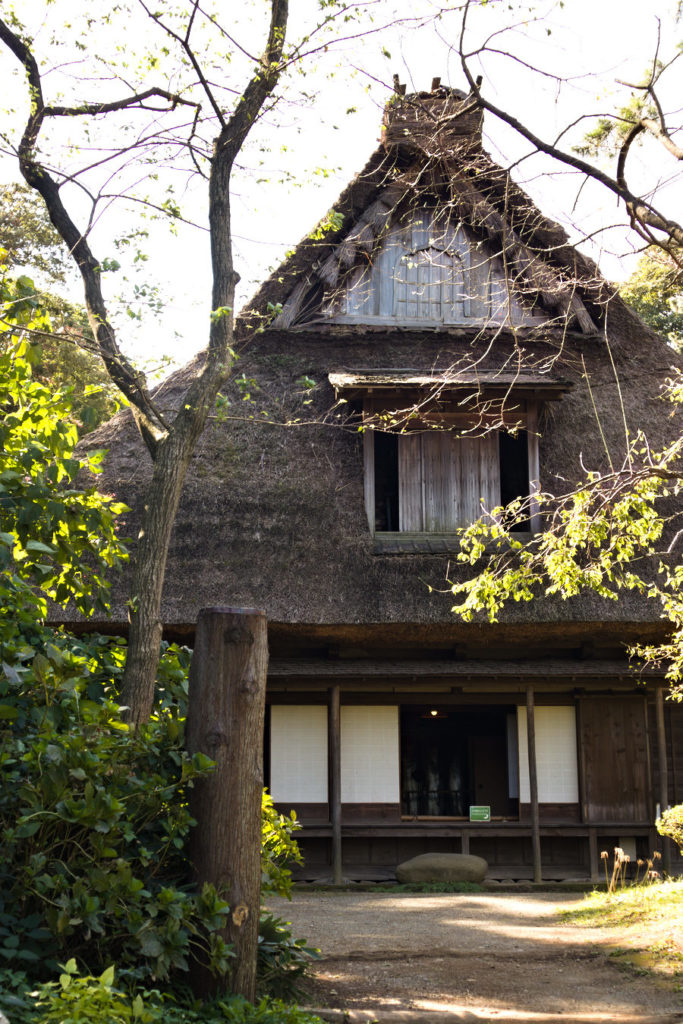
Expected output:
(442, 867)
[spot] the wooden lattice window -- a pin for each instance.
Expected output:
(430, 284)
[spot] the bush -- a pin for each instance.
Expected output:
(94, 820)
(75, 999)
(671, 825)
(93, 817)
(282, 959)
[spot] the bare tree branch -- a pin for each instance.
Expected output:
(137, 100)
(644, 216)
(130, 381)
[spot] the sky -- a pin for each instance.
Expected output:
(548, 63)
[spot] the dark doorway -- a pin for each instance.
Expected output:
(452, 758)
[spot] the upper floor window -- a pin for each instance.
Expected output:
(431, 284)
(437, 482)
(441, 451)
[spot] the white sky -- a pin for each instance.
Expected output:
(319, 147)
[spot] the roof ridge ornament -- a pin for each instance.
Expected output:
(432, 124)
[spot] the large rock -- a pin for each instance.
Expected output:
(442, 867)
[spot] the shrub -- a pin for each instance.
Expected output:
(282, 959)
(94, 820)
(89, 1000)
(671, 824)
(93, 817)
(76, 999)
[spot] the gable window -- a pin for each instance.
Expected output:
(427, 270)
(431, 284)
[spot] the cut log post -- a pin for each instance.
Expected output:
(533, 784)
(227, 689)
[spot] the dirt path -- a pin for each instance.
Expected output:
(492, 957)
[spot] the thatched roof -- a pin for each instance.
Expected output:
(444, 163)
(273, 512)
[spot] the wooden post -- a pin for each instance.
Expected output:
(663, 773)
(593, 854)
(334, 777)
(533, 783)
(227, 689)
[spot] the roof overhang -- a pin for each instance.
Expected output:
(488, 383)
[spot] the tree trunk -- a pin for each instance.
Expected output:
(170, 438)
(161, 504)
(225, 722)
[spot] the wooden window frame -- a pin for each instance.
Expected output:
(530, 425)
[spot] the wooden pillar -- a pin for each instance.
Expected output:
(334, 779)
(533, 783)
(663, 772)
(227, 690)
(593, 854)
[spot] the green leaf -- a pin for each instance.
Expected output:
(107, 977)
(150, 945)
(37, 545)
(27, 829)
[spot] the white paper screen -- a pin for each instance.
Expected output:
(298, 753)
(369, 755)
(556, 766)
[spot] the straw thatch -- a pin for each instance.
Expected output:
(273, 512)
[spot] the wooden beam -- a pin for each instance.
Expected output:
(663, 772)
(533, 784)
(227, 691)
(534, 468)
(369, 478)
(334, 779)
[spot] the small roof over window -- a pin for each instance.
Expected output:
(524, 384)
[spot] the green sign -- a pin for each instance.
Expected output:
(480, 813)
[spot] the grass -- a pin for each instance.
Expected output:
(658, 905)
(642, 904)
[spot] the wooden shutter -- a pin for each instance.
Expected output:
(446, 481)
(614, 759)
(410, 503)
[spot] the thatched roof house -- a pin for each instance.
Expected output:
(441, 313)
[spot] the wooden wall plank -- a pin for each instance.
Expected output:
(616, 775)
(489, 473)
(467, 451)
(410, 498)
